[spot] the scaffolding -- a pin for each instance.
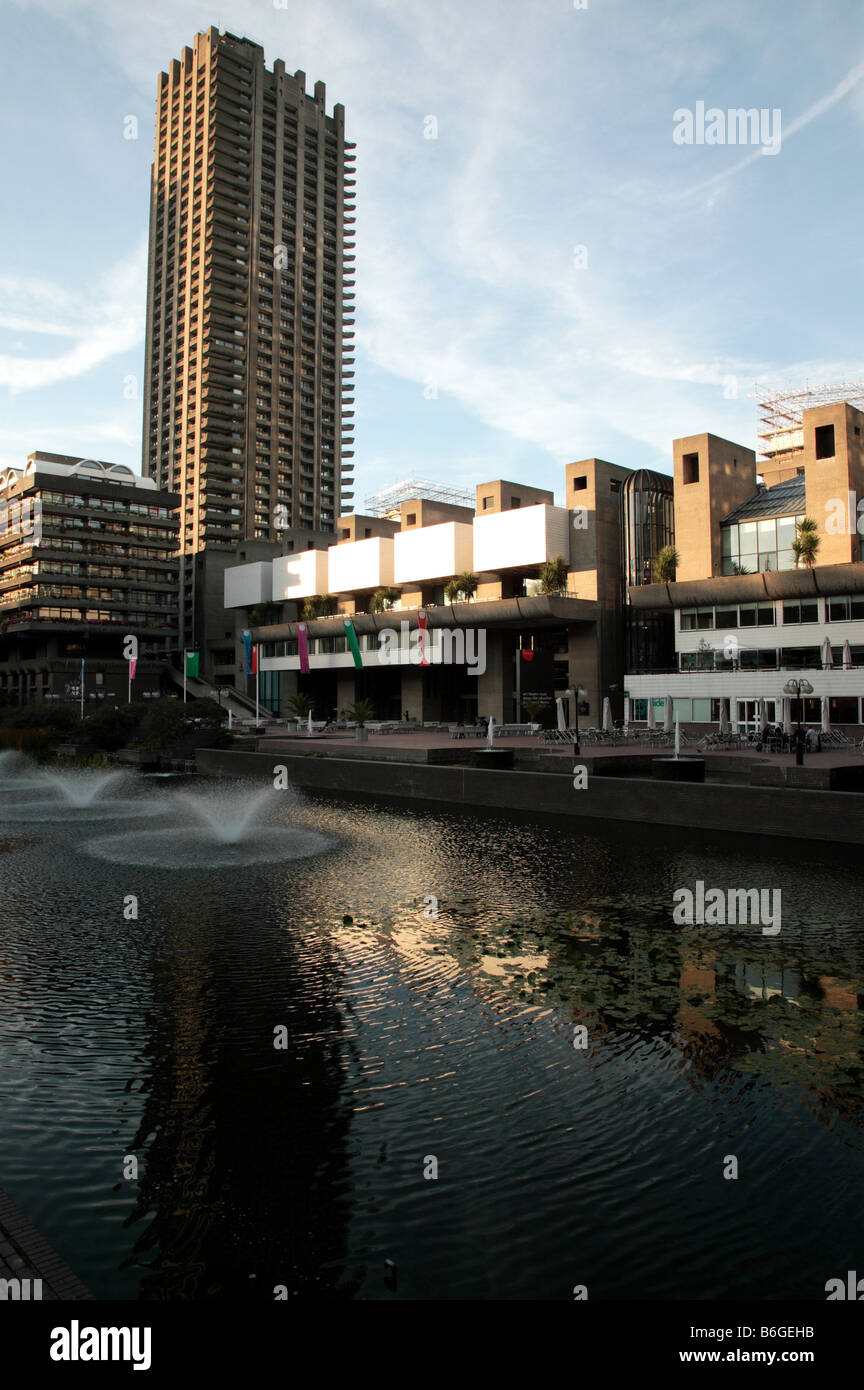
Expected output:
(388, 502)
(780, 412)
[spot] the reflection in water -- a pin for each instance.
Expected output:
(410, 1038)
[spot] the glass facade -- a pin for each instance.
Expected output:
(754, 547)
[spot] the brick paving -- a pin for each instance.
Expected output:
(431, 738)
(25, 1255)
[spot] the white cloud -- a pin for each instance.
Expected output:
(102, 320)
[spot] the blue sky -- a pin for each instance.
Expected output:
(485, 348)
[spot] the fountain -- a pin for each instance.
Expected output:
(224, 826)
(51, 794)
(81, 788)
(678, 769)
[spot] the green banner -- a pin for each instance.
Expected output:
(192, 664)
(352, 641)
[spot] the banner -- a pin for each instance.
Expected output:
(132, 665)
(353, 644)
(247, 650)
(303, 648)
(421, 623)
(192, 665)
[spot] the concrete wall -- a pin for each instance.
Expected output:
(785, 812)
(727, 478)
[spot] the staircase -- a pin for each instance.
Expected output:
(240, 706)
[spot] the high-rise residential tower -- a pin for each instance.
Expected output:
(247, 410)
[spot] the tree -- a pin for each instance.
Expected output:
(360, 712)
(806, 543)
(109, 728)
(53, 715)
(383, 600)
(163, 724)
(534, 710)
(464, 586)
(206, 711)
(263, 614)
(666, 563)
(320, 606)
(553, 576)
(300, 705)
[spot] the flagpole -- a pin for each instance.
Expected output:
(257, 668)
(184, 677)
(82, 690)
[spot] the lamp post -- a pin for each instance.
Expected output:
(578, 692)
(798, 688)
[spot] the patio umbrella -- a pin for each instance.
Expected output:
(626, 711)
(490, 732)
(787, 716)
(724, 720)
(847, 656)
(650, 721)
(309, 723)
(668, 720)
(826, 715)
(827, 659)
(562, 718)
(608, 726)
(763, 716)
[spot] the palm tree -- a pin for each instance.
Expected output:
(464, 586)
(806, 543)
(665, 565)
(383, 600)
(360, 712)
(300, 706)
(553, 576)
(262, 614)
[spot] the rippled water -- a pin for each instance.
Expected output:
(412, 1038)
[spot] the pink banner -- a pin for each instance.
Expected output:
(302, 648)
(421, 623)
(132, 664)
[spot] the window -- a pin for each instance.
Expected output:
(844, 709)
(580, 483)
(696, 619)
(515, 502)
(367, 531)
(838, 610)
(806, 612)
(690, 468)
(487, 503)
(411, 519)
(756, 615)
(614, 485)
(726, 617)
(824, 437)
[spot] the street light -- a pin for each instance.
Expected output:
(577, 692)
(798, 688)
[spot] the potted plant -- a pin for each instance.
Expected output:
(464, 587)
(553, 576)
(359, 713)
(665, 564)
(299, 708)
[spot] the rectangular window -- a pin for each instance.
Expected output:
(701, 711)
(838, 610)
(726, 617)
(690, 468)
(824, 438)
(805, 612)
(580, 483)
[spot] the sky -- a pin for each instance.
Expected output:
(545, 271)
